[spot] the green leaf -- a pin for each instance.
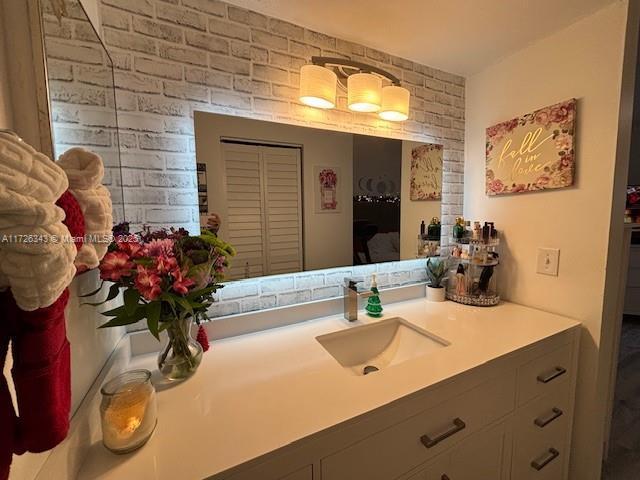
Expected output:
(114, 312)
(185, 304)
(113, 292)
(153, 318)
(119, 321)
(203, 291)
(167, 297)
(131, 298)
(94, 292)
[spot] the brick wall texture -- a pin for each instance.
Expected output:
(175, 57)
(81, 93)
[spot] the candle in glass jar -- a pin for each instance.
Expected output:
(128, 411)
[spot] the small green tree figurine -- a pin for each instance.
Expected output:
(374, 307)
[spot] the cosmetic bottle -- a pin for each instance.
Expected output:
(458, 229)
(477, 231)
(486, 231)
(434, 229)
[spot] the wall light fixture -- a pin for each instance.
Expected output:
(369, 88)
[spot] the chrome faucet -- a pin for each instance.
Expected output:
(351, 296)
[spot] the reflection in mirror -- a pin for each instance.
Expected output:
(81, 90)
(293, 198)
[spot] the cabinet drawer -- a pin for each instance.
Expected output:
(436, 469)
(549, 461)
(398, 449)
(544, 374)
(541, 426)
(277, 469)
(305, 473)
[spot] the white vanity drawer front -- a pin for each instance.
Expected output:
(396, 450)
(549, 462)
(545, 374)
(541, 436)
(305, 473)
(274, 471)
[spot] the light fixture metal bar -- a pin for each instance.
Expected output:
(362, 67)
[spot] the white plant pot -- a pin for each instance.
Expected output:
(436, 294)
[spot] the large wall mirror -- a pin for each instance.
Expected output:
(290, 198)
(293, 198)
(80, 81)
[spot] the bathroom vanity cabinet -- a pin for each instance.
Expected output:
(508, 419)
(494, 403)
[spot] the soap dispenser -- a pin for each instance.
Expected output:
(374, 307)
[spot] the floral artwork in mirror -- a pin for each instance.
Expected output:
(533, 152)
(426, 172)
(328, 198)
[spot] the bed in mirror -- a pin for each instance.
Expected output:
(293, 198)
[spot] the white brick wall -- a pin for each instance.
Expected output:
(183, 55)
(81, 93)
(279, 291)
(178, 56)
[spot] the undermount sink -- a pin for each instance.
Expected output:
(369, 348)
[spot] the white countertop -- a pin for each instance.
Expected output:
(258, 392)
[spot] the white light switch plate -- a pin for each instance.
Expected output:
(548, 260)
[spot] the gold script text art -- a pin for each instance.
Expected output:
(525, 159)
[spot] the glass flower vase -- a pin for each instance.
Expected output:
(181, 354)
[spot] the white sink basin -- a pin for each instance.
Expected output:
(368, 348)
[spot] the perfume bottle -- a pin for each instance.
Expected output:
(434, 229)
(458, 229)
(477, 231)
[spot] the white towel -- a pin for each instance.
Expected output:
(85, 171)
(36, 258)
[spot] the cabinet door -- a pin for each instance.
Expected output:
(480, 457)
(305, 473)
(436, 470)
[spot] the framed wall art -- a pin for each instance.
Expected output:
(425, 182)
(327, 189)
(533, 152)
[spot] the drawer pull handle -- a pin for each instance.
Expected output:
(445, 477)
(543, 422)
(429, 442)
(555, 373)
(546, 459)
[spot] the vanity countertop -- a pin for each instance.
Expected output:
(258, 392)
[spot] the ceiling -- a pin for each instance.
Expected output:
(458, 36)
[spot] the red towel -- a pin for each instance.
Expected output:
(42, 376)
(41, 366)
(8, 418)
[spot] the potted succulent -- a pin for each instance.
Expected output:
(436, 272)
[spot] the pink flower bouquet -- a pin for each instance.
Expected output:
(167, 277)
(164, 275)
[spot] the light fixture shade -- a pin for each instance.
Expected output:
(364, 92)
(318, 86)
(395, 104)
